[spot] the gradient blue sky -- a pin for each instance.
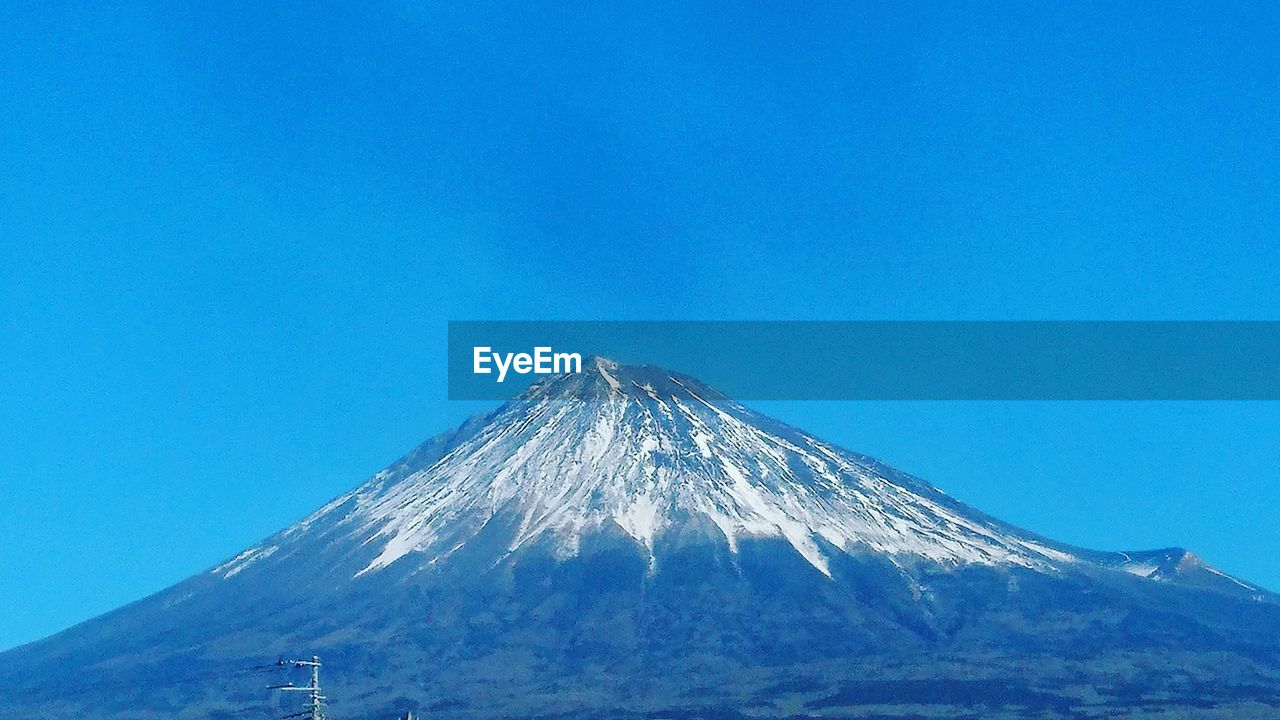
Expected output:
(231, 235)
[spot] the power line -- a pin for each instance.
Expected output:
(314, 709)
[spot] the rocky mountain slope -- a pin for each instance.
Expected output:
(628, 542)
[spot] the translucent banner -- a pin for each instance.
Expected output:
(887, 360)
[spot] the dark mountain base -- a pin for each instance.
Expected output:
(1119, 685)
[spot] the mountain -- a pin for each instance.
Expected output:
(629, 542)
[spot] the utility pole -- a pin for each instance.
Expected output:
(315, 701)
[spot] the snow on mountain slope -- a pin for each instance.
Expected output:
(647, 451)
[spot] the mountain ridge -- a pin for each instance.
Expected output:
(628, 542)
(677, 421)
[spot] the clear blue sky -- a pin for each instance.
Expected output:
(231, 235)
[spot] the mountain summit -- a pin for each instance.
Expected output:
(628, 541)
(646, 453)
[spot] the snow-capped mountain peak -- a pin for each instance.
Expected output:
(635, 521)
(644, 451)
